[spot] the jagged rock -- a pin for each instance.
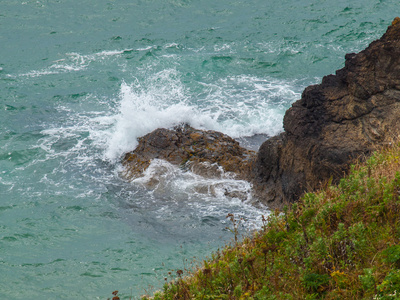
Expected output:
(343, 118)
(203, 152)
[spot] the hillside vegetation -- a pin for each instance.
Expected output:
(339, 243)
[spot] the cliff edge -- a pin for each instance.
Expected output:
(343, 118)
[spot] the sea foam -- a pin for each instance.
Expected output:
(160, 102)
(239, 106)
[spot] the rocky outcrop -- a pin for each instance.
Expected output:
(203, 152)
(343, 118)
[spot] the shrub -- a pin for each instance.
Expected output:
(392, 255)
(390, 286)
(316, 282)
(367, 280)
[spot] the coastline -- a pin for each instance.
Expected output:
(336, 122)
(320, 244)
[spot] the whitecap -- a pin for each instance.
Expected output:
(161, 101)
(74, 62)
(239, 106)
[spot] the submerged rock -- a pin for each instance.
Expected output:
(343, 118)
(207, 153)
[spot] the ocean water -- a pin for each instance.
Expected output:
(80, 81)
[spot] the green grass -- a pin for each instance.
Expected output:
(339, 243)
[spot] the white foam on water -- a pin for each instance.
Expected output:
(147, 48)
(239, 106)
(172, 45)
(74, 62)
(248, 105)
(38, 73)
(161, 101)
(215, 197)
(223, 48)
(161, 176)
(10, 185)
(78, 139)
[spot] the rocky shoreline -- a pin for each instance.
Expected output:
(342, 119)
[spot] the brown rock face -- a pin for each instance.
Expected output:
(203, 152)
(343, 118)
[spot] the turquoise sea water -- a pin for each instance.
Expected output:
(81, 80)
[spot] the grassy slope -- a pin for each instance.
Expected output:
(339, 243)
